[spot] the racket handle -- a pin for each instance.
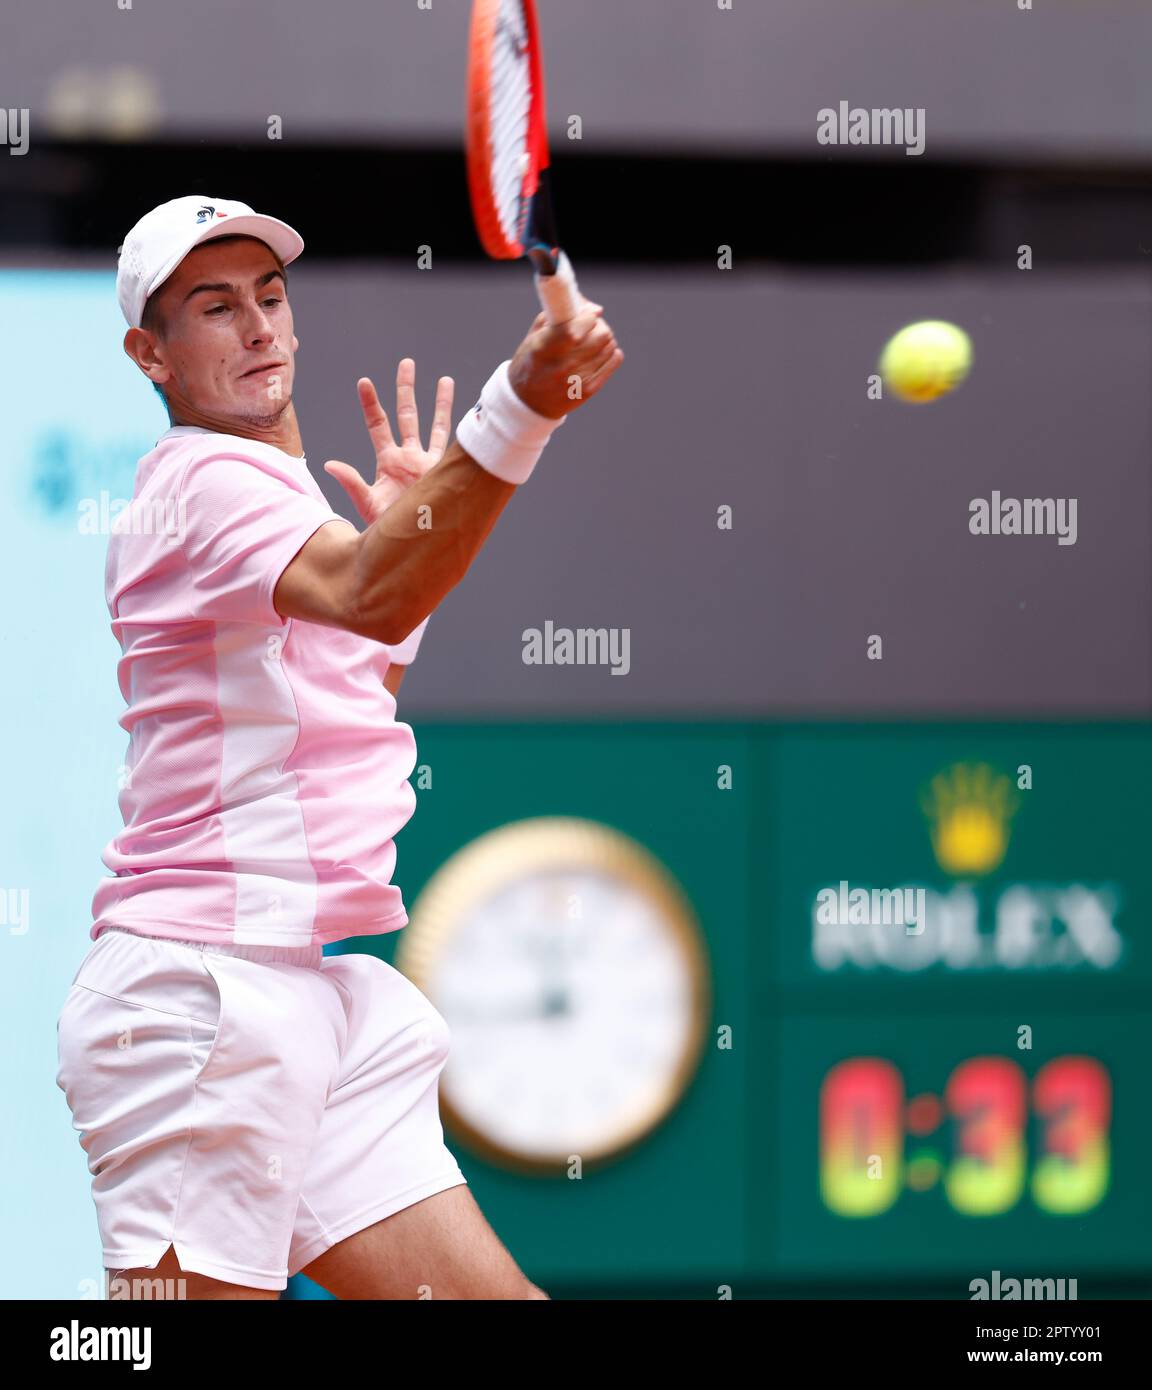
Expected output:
(560, 298)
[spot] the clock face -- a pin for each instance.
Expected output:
(570, 972)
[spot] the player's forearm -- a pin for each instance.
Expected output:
(424, 544)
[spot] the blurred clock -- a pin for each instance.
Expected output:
(572, 974)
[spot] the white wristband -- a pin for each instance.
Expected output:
(501, 433)
(404, 653)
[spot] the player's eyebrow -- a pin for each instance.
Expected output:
(224, 288)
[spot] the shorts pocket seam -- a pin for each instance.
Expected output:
(135, 1004)
(218, 1021)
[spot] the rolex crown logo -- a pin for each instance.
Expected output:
(971, 808)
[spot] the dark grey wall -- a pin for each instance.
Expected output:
(850, 515)
(1065, 77)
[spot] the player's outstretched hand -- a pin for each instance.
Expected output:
(560, 366)
(398, 465)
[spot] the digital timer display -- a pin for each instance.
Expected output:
(929, 1144)
(873, 1137)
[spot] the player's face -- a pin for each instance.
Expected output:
(228, 344)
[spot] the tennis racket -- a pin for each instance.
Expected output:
(507, 147)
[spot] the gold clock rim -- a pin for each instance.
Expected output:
(496, 858)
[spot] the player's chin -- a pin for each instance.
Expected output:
(269, 395)
(262, 408)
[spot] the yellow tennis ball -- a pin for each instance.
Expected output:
(926, 360)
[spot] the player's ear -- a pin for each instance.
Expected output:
(295, 343)
(138, 346)
(142, 350)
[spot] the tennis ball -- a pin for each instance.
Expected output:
(926, 360)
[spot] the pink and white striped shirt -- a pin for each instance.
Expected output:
(266, 772)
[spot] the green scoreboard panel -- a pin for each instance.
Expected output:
(966, 1093)
(888, 1101)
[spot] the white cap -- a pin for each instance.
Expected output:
(163, 237)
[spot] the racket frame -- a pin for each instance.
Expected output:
(535, 220)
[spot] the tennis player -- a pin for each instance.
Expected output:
(249, 1107)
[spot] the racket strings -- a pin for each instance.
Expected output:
(510, 106)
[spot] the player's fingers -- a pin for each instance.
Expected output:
(375, 417)
(407, 419)
(585, 330)
(442, 419)
(602, 363)
(587, 312)
(592, 348)
(592, 381)
(586, 363)
(351, 481)
(538, 323)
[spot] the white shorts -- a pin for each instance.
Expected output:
(249, 1105)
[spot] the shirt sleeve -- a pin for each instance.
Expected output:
(241, 528)
(404, 653)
